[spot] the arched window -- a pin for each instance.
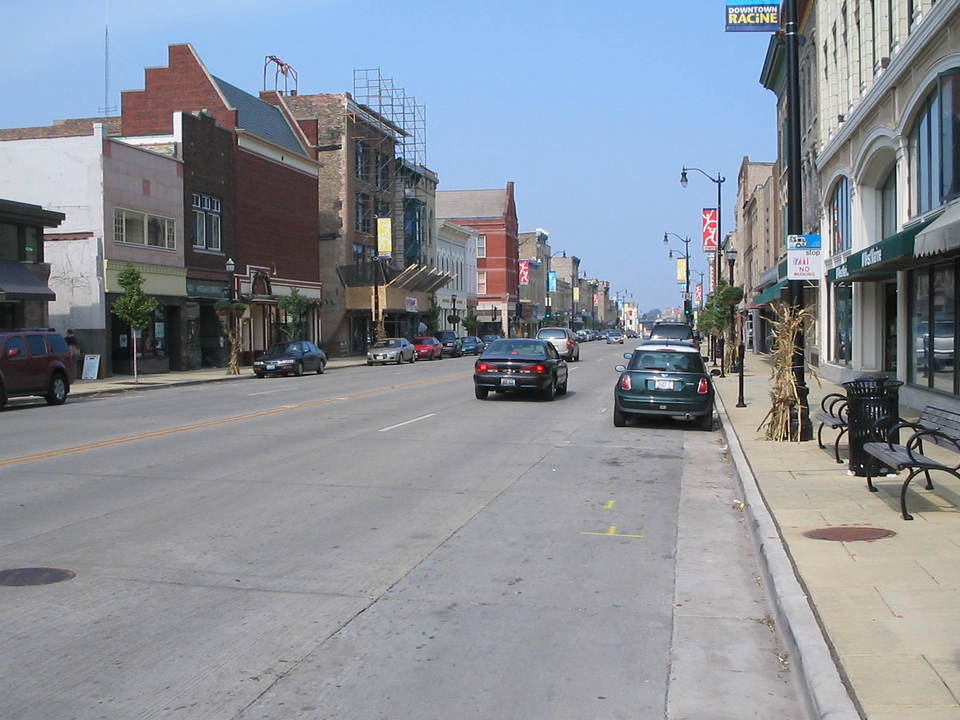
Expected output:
(935, 146)
(888, 204)
(841, 225)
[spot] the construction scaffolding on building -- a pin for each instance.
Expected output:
(407, 161)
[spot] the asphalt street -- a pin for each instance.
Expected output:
(377, 543)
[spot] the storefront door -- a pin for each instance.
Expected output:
(890, 328)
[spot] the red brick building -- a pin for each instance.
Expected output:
(493, 214)
(271, 200)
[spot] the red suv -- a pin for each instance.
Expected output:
(35, 361)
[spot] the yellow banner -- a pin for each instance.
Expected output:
(384, 237)
(682, 271)
(576, 293)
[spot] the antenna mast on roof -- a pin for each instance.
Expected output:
(288, 72)
(106, 110)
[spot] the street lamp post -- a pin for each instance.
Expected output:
(687, 303)
(737, 335)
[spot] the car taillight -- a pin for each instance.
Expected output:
(704, 387)
(484, 367)
(569, 344)
(625, 382)
(535, 369)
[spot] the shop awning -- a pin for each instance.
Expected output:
(18, 283)
(940, 236)
(770, 294)
(882, 259)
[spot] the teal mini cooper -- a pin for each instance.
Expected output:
(666, 379)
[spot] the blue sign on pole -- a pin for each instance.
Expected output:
(753, 17)
(552, 281)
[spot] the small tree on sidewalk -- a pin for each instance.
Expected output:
(294, 306)
(133, 307)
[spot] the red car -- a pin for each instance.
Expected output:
(428, 348)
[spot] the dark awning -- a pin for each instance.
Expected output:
(881, 260)
(770, 294)
(18, 283)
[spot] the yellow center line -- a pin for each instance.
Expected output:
(222, 421)
(609, 505)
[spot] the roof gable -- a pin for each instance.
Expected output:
(260, 118)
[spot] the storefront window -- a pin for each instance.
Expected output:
(841, 229)
(943, 347)
(843, 333)
(888, 204)
(919, 326)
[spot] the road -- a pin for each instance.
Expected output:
(377, 543)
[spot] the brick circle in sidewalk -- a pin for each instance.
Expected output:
(849, 534)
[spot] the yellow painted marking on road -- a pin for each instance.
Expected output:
(610, 504)
(612, 532)
(222, 421)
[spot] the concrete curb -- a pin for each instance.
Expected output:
(76, 391)
(826, 693)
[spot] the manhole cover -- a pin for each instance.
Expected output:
(849, 534)
(34, 576)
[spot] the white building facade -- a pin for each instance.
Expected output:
(889, 169)
(456, 253)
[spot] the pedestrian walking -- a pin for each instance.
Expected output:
(74, 347)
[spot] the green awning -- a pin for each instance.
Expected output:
(770, 294)
(880, 259)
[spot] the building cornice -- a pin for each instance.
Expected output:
(901, 63)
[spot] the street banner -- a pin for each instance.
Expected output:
(681, 271)
(576, 294)
(596, 299)
(384, 237)
(524, 272)
(552, 281)
(708, 218)
(804, 258)
(753, 17)
(698, 295)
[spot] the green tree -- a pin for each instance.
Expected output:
(471, 322)
(294, 307)
(431, 318)
(134, 307)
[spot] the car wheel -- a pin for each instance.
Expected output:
(480, 392)
(321, 367)
(562, 389)
(3, 395)
(259, 375)
(298, 370)
(369, 363)
(705, 422)
(619, 419)
(58, 390)
(399, 358)
(549, 392)
(413, 358)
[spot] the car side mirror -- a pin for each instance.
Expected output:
(620, 368)
(13, 352)
(715, 372)
(627, 356)
(706, 358)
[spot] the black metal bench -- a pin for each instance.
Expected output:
(935, 425)
(832, 414)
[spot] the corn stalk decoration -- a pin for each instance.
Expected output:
(233, 311)
(782, 423)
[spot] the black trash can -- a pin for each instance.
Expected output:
(868, 400)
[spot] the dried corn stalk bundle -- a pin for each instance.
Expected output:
(781, 423)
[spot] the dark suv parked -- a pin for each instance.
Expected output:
(35, 361)
(452, 346)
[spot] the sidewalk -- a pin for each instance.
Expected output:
(125, 383)
(890, 608)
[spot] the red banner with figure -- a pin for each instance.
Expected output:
(698, 295)
(524, 272)
(709, 220)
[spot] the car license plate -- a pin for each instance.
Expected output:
(507, 382)
(664, 385)
(271, 367)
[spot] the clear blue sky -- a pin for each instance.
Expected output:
(591, 109)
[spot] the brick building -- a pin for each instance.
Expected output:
(493, 214)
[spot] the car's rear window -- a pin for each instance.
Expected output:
(504, 348)
(666, 361)
(550, 334)
(57, 344)
(672, 332)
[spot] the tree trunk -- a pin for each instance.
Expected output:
(133, 335)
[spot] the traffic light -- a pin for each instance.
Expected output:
(687, 311)
(549, 313)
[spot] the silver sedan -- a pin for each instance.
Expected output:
(391, 350)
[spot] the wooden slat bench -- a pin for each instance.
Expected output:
(935, 425)
(832, 414)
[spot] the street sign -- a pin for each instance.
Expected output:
(804, 258)
(684, 296)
